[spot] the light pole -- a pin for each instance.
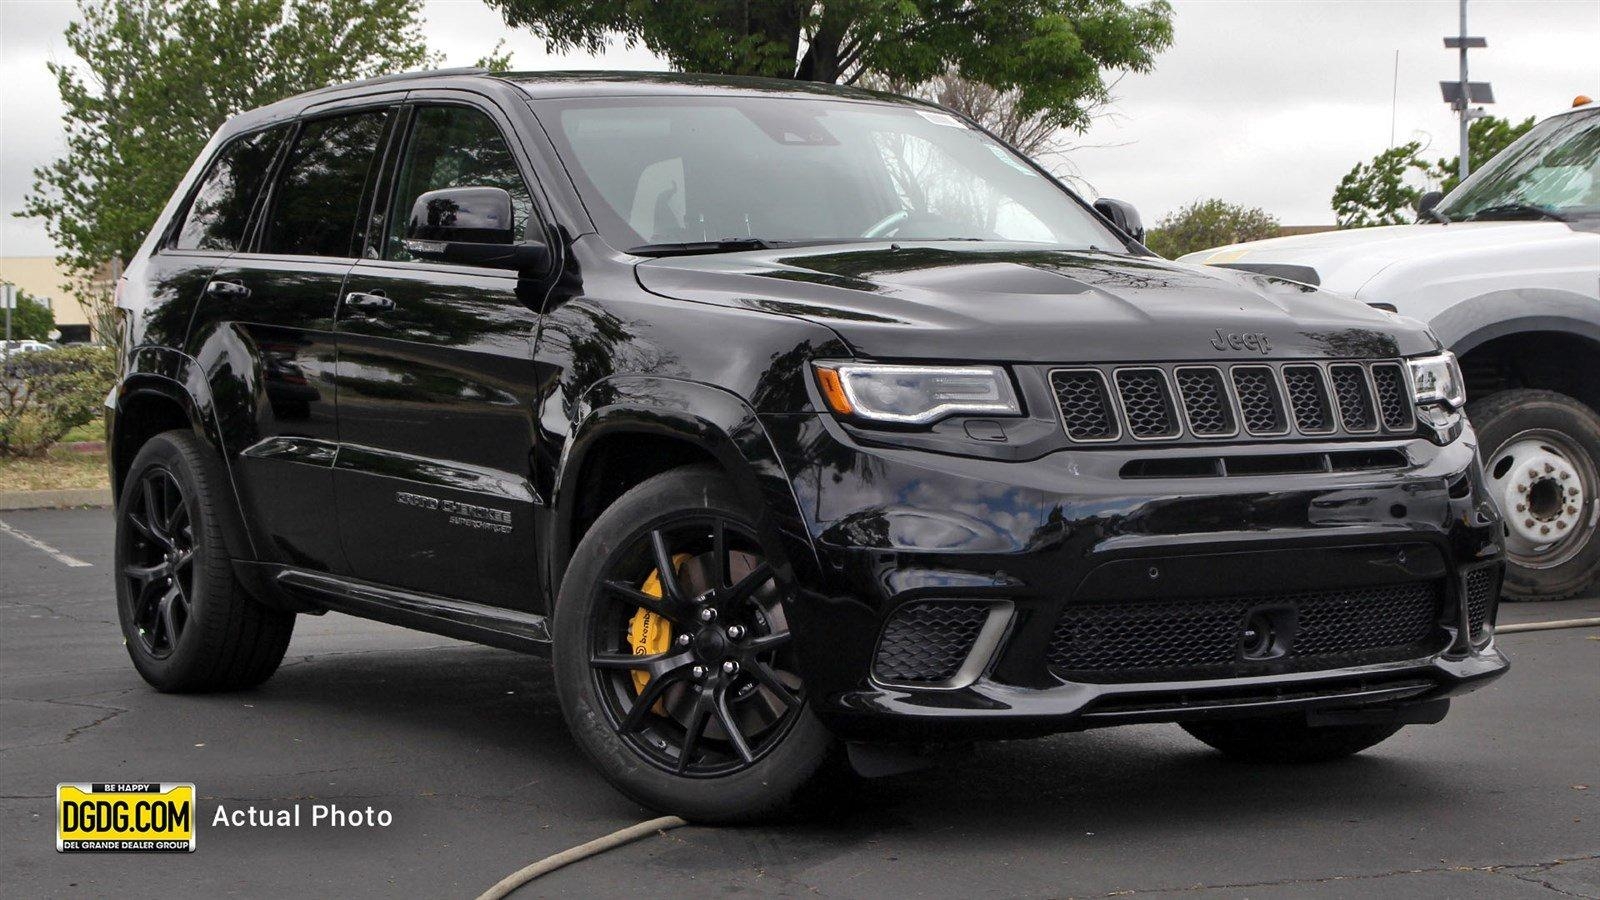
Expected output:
(1462, 93)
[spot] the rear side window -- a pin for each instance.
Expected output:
(317, 201)
(454, 146)
(221, 205)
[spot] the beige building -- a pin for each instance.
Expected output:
(42, 279)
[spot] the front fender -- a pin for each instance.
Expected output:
(1481, 319)
(709, 418)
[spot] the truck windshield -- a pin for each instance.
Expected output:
(1551, 172)
(713, 174)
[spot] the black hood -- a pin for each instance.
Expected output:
(1020, 304)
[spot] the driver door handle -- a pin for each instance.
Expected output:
(227, 290)
(371, 303)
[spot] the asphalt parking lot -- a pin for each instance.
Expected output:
(466, 747)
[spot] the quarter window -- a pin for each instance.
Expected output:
(222, 203)
(317, 203)
(454, 146)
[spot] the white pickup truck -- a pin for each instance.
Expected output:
(1506, 270)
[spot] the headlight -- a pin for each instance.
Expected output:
(1437, 379)
(915, 395)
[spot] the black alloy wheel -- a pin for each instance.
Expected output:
(715, 691)
(158, 561)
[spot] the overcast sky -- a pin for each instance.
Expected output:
(1263, 102)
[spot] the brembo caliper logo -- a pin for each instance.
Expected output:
(1250, 340)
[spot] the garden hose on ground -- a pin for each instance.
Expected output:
(549, 864)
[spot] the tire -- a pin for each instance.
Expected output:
(638, 741)
(188, 624)
(1287, 739)
(1538, 447)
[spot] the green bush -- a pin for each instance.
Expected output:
(47, 393)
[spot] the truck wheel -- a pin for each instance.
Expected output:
(1539, 454)
(187, 623)
(1287, 739)
(674, 665)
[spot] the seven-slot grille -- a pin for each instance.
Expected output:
(1211, 402)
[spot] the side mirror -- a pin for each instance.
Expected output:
(1426, 204)
(473, 226)
(1123, 215)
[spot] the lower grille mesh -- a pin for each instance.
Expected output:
(1483, 587)
(1186, 638)
(926, 642)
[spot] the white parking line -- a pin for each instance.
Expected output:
(69, 561)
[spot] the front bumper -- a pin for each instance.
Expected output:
(884, 528)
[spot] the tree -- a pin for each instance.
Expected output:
(1385, 190)
(1209, 223)
(1485, 138)
(1377, 192)
(154, 78)
(31, 320)
(1052, 53)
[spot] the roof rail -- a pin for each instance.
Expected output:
(401, 76)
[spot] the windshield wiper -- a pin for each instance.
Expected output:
(1499, 211)
(690, 248)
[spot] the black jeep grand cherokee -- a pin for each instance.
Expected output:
(788, 416)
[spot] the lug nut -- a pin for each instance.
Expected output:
(1561, 525)
(1549, 468)
(1522, 507)
(1544, 529)
(1527, 523)
(698, 672)
(1565, 476)
(1533, 473)
(735, 631)
(707, 614)
(1522, 489)
(1572, 492)
(683, 640)
(1572, 510)
(729, 667)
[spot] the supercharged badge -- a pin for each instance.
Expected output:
(147, 817)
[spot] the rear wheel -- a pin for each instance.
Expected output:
(674, 663)
(1287, 739)
(187, 623)
(1539, 453)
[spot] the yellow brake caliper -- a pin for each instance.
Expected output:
(648, 633)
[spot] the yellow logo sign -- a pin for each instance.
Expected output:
(126, 816)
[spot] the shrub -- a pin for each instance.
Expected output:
(47, 393)
(1209, 223)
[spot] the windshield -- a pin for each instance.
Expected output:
(1554, 170)
(779, 170)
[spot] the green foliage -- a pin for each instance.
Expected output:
(1052, 53)
(1376, 192)
(1209, 223)
(1485, 138)
(47, 393)
(1379, 192)
(497, 59)
(31, 320)
(153, 79)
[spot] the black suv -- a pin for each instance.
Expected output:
(789, 418)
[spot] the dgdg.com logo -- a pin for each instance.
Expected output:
(145, 817)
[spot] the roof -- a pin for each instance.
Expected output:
(632, 84)
(567, 84)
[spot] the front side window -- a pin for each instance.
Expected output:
(454, 146)
(1553, 171)
(789, 170)
(221, 205)
(317, 202)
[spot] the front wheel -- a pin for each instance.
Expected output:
(1539, 453)
(674, 661)
(1287, 739)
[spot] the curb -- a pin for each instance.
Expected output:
(62, 499)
